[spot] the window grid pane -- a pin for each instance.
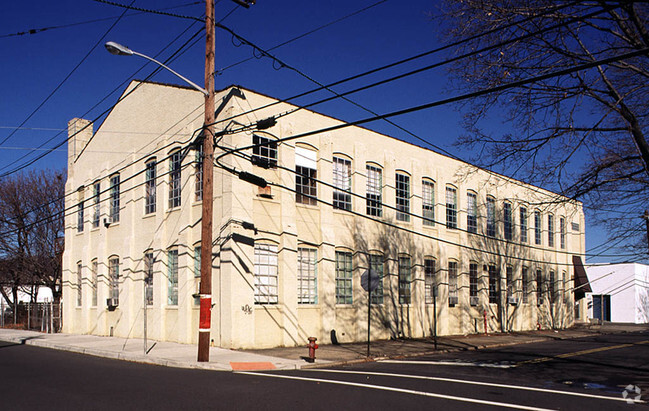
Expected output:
(148, 278)
(562, 233)
(93, 281)
(264, 154)
(551, 288)
(473, 280)
(97, 205)
(376, 265)
(429, 280)
(344, 278)
(402, 188)
(150, 188)
(174, 180)
(305, 185)
(307, 276)
(113, 277)
(451, 208)
(80, 212)
(172, 294)
(452, 281)
(537, 227)
(428, 202)
(342, 181)
(491, 217)
(524, 284)
(539, 287)
(523, 218)
(550, 230)
(404, 280)
(471, 213)
(79, 284)
(114, 199)
(493, 285)
(266, 274)
(508, 224)
(374, 198)
(509, 279)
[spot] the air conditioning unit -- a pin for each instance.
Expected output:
(112, 303)
(474, 301)
(452, 300)
(512, 300)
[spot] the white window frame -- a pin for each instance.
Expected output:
(374, 188)
(402, 196)
(266, 274)
(150, 187)
(172, 276)
(342, 182)
(307, 275)
(175, 180)
(428, 202)
(114, 198)
(471, 212)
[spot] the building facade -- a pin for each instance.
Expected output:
(620, 292)
(448, 245)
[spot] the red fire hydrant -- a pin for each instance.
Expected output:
(312, 347)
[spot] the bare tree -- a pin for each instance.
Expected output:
(583, 134)
(31, 233)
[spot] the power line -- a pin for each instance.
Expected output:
(67, 77)
(150, 11)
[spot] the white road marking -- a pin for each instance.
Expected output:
(455, 363)
(488, 384)
(401, 390)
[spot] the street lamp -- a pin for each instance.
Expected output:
(120, 50)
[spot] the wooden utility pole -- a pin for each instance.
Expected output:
(205, 321)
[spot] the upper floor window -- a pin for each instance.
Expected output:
(374, 197)
(266, 274)
(428, 202)
(114, 198)
(537, 227)
(491, 217)
(305, 176)
(174, 179)
(550, 230)
(471, 212)
(150, 187)
(80, 211)
(198, 173)
(523, 221)
(96, 212)
(562, 233)
(402, 189)
(264, 153)
(508, 224)
(451, 207)
(342, 179)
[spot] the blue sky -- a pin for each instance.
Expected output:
(35, 64)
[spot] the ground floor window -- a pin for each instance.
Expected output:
(344, 291)
(307, 278)
(266, 274)
(376, 265)
(405, 278)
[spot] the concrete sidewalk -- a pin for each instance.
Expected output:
(184, 355)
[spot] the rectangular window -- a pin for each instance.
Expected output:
(524, 284)
(198, 173)
(344, 278)
(266, 274)
(537, 227)
(264, 153)
(305, 176)
(491, 217)
(428, 202)
(473, 280)
(174, 180)
(148, 278)
(451, 208)
(373, 197)
(472, 213)
(172, 284)
(96, 193)
(342, 180)
(79, 283)
(307, 276)
(509, 278)
(523, 217)
(402, 189)
(539, 287)
(405, 279)
(197, 261)
(113, 277)
(114, 199)
(452, 282)
(551, 288)
(80, 212)
(550, 230)
(562, 233)
(508, 224)
(150, 188)
(376, 265)
(429, 280)
(493, 285)
(93, 281)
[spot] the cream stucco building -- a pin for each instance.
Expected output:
(288, 259)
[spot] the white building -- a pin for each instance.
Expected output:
(287, 259)
(620, 292)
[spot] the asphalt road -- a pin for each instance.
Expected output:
(588, 373)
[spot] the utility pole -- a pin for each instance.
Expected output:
(205, 320)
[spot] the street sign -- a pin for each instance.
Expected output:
(370, 280)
